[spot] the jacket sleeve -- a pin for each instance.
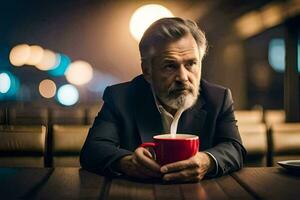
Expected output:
(228, 149)
(101, 147)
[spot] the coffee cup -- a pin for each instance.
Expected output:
(169, 149)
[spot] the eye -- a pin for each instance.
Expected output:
(170, 66)
(191, 63)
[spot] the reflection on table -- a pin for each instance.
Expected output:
(76, 183)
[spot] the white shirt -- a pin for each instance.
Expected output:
(171, 122)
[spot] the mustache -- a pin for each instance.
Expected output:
(174, 89)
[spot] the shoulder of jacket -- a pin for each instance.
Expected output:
(209, 87)
(123, 90)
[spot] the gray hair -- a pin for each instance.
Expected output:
(166, 30)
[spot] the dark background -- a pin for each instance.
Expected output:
(97, 32)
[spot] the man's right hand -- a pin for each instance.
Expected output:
(140, 165)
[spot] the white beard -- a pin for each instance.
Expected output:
(182, 102)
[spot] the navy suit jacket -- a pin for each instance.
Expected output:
(130, 117)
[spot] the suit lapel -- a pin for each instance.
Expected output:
(147, 116)
(192, 120)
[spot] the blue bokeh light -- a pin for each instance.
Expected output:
(68, 95)
(277, 54)
(9, 85)
(5, 82)
(62, 65)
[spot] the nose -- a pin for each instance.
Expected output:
(182, 74)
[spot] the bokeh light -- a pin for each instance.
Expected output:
(67, 95)
(277, 54)
(48, 61)
(19, 55)
(61, 67)
(47, 88)
(5, 82)
(144, 16)
(9, 84)
(79, 72)
(36, 55)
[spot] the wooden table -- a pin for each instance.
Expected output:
(269, 183)
(75, 183)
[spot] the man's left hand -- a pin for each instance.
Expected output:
(190, 170)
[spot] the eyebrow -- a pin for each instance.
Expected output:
(192, 59)
(169, 60)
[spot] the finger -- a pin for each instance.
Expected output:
(148, 154)
(183, 175)
(143, 170)
(145, 160)
(178, 166)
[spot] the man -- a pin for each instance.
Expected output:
(170, 93)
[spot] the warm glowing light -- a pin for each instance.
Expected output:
(36, 55)
(144, 16)
(5, 82)
(272, 15)
(249, 24)
(79, 72)
(67, 95)
(48, 61)
(47, 88)
(292, 8)
(19, 55)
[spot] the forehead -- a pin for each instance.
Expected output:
(185, 47)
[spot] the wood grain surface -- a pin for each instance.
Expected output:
(269, 183)
(75, 183)
(71, 183)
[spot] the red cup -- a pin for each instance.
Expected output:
(169, 149)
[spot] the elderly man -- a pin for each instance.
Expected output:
(169, 93)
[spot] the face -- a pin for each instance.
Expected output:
(175, 73)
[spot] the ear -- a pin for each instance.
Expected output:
(146, 68)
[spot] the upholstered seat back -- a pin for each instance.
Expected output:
(22, 146)
(254, 137)
(274, 117)
(286, 141)
(67, 143)
(249, 116)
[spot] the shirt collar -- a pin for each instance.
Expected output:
(163, 111)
